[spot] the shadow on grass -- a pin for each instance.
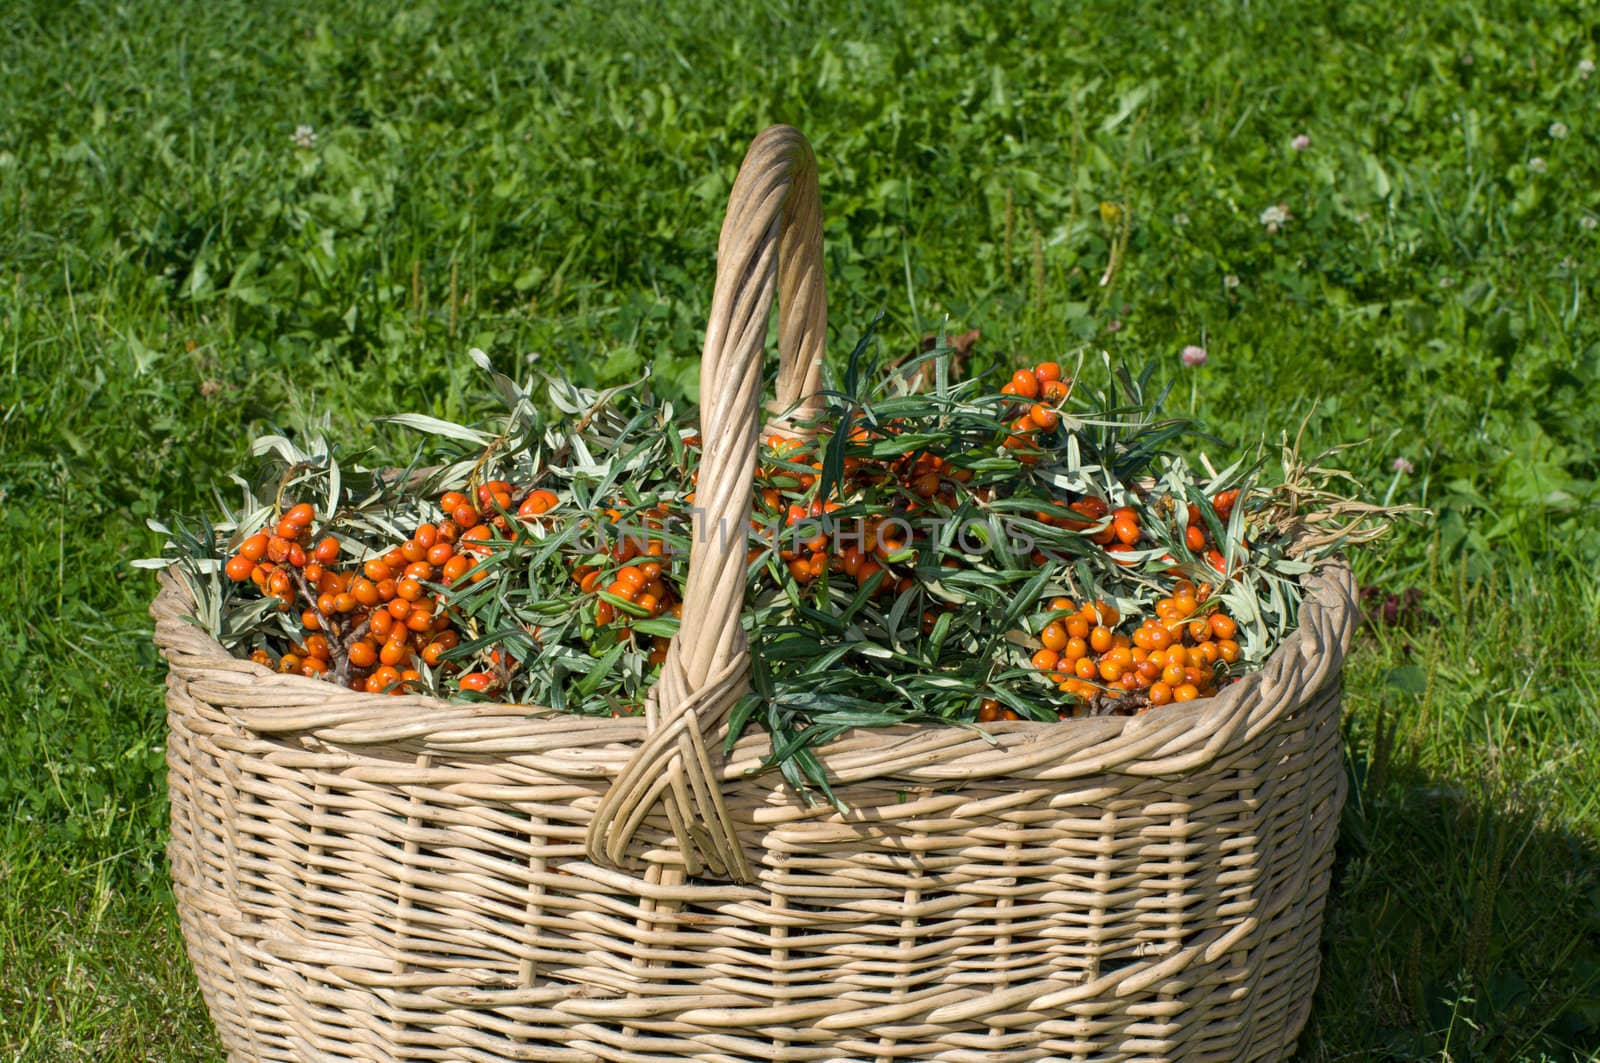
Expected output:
(1461, 924)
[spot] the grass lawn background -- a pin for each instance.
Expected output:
(546, 183)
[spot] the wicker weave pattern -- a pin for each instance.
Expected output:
(402, 879)
(398, 878)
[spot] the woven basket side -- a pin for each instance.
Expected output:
(390, 904)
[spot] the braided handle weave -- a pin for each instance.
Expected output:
(771, 243)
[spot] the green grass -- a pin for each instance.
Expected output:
(546, 184)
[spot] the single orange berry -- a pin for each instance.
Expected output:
(1025, 383)
(240, 568)
(476, 681)
(1054, 636)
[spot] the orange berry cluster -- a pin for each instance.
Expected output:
(1044, 390)
(867, 546)
(1171, 656)
(1198, 538)
(641, 589)
(369, 624)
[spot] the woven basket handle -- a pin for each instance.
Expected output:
(771, 242)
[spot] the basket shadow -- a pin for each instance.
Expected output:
(1460, 924)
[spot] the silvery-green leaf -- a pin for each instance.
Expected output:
(421, 422)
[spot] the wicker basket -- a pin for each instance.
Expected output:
(398, 878)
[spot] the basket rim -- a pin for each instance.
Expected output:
(1171, 738)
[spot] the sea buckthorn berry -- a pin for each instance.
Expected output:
(988, 711)
(278, 582)
(365, 592)
(1199, 630)
(418, 570)
(449, 531)
(1228, 650)
(457, 567)
(278, 549)
(1160, 693)
(1223, 627)
(288, 530)
(1185, 692)
(1086, 668)
(1047, 372)
(289, 662)
(1109, 671)
(439, 553)
(1062, 605)
(1100, 639)
(394, 653)
(1025, 384)
(1172, 674)
(400, 608)
(1194, 538)
(413, 551)
(344, 603)
(1125, 526)
(255, 547)
(309, 621)
(1078, 627)
(327, 551)
(409, 589)
(301, 515)
(1209, 652)
(1076, 648)
(240, 568)
(380, 622)
(425, 536)
(475, 538)
(318, 646)
(604, 612)
(451, 499)
(1043, 417)
(362, 653)
(464, 515)
(1046, 660)
(478, 681)
(1054, 636)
